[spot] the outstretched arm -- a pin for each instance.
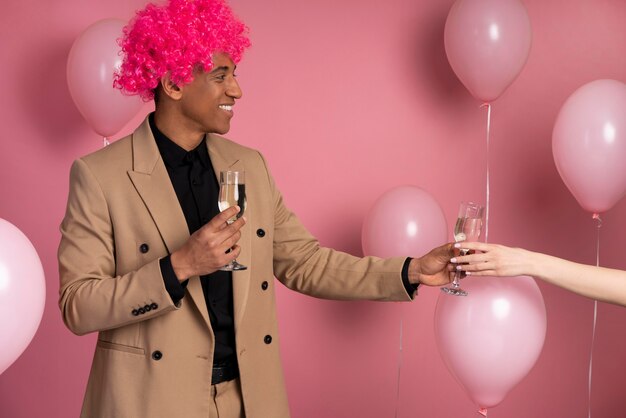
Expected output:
(608, 285)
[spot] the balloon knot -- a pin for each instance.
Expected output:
(483, 412)
(596, 216)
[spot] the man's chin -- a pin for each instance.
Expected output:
(220, 131)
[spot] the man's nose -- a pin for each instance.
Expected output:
(234, 90)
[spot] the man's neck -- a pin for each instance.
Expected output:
(170, 125)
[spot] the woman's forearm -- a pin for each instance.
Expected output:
(605, 284)
(608, 285)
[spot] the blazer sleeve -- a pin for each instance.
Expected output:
(92, 296)
(303, 265)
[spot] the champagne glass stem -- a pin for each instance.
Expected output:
(455, 282)
(457, 274)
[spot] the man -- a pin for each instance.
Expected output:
(142, 240)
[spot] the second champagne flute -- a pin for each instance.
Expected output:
(467, 228)
(232, 193)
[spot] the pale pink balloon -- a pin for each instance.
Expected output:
(491, 338)
(589, 144)
(92, 61)
(487, 43)
(404, 221)
(22, 293)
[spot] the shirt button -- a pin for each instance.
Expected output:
(260, 233)
(157, 355)
(267, 339)
(264, 285)
(144, 248)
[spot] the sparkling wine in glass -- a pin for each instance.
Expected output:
(467, 228)
(232, 193)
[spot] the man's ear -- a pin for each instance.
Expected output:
(170, 88)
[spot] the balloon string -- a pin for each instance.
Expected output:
(399, 366)
(596, 216)
(483, 411)
(105, 141)
(488, 191)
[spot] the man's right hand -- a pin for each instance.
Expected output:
(206, 250)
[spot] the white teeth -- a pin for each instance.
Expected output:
(226, 107)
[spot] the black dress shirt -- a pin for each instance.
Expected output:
(197, 189)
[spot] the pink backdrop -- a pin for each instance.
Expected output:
(364, 91)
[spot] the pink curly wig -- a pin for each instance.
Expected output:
(177, 38)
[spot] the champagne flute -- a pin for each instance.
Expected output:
(232, 192)
(468, 227)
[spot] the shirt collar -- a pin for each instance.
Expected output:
(174, 155)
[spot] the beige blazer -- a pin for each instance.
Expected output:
(122, 217)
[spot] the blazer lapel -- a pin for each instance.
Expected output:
(152, 182)
(223, 157)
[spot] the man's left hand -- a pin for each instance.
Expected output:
(434, 268)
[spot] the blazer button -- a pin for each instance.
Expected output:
(144, 248)
(264, 285)
(141, 311)
(154, 306)
(147, 308)
(260, 233)
(157, 355)
(135, 312)
(267, 339)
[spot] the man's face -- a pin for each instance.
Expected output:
(207, 102)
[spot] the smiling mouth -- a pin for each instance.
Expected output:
(228, 108)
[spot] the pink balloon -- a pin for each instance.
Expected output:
(93, 59)
(487, 44)
(589, 144)
(22, 293)
(491, 338)
(405, 221)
